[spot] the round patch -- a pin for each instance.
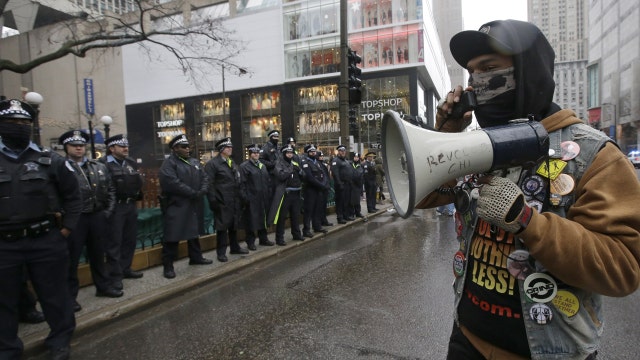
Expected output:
(518, 264)
(562, 185)
(535, 204)
(569, 150)
(532, 185)
(541, 314)
(458, 263)
(540, 287)
(566, 303)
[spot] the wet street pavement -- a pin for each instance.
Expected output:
(375, 290)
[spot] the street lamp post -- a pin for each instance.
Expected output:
(106, 120)
(34, 99)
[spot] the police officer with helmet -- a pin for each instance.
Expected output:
(98, 200)
(38, 190)
(124, 221)
(315, 183)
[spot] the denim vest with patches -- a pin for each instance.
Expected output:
(565, 337)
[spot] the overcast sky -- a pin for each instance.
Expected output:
(477, 12)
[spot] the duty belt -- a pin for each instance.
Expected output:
(126, 200)
(31, 230)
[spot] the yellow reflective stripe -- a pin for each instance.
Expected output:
(275, 221)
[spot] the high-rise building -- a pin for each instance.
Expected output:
(448, 17)
(614, 70)
(564, 23)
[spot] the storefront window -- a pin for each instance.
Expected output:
(316, 115)
(389, 93)
(260, 114)
(169, 123)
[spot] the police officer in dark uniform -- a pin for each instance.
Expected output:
(270, 151)
(315, 183)
(292, 141)
(224, 199)
(325, 193)
(286, 200)
(255, 190)
(342, 173)
(370, 187)
(183, 183)
(124, 221)
(357, 180)
(37, 191)
(98, 201)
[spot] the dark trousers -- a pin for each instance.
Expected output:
(170, 251)
(312, 216)
(27, 301)
(291, 206)
(251, 236)
(91, 231)
(323, 207)
(343, 196)
(122, 240)
(370, 189)
(226, 238)
(46, 258)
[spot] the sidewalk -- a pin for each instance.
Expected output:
(153, 288)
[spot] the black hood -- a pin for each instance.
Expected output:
(533, 59)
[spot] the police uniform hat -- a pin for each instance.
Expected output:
(274, 133)
(74, 137)
(370, 153)
(253, 148)
(178, 140)
(221, 144)
(286, 149)
(120, 139)
(320, 153)
(309, 148)
(290, 139)
(356, 154)
(341, 147)
(16, 109)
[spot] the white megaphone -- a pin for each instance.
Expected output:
(417, 161)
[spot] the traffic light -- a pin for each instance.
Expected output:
(355, 82)
(353, 120)
(379, 138)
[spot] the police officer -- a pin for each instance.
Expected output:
(255, 190)
(292, 141)
(124, 221)
(370, 187)
(286, 200)
(357, 180)
(98, 201)
(325, 193)
(342, 173)
(183, 183)
(36, 187)
(315, 183)
(270, 151)
(224, 199)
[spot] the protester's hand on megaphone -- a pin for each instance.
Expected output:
(502, 203)
(445, 121)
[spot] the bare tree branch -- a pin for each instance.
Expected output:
(193, 36)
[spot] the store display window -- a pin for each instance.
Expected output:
(169, 123)
(317, 115)
(260, 114)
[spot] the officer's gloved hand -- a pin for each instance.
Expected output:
(502, 204)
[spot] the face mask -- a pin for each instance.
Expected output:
(496, 96)
(15, 136)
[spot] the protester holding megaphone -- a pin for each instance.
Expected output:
(540, 242)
